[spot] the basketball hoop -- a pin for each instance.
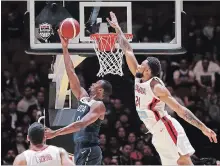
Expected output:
(110, 56)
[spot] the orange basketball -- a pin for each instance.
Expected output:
(69, 28)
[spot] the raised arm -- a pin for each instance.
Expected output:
(165, 96)
(77, 90)
(97, 111)
(124, 44)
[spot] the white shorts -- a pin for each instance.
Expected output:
(170, 140)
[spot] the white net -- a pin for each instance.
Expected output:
(109, 55)
(110, 62)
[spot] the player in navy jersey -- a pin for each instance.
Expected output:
(90, 113)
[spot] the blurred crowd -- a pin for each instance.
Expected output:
(192, 79)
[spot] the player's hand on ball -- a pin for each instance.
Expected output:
(113, 22)
(49, 134)
(63, 40)
(211, 134)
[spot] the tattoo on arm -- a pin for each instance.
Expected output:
(123, 42)
(191, 118)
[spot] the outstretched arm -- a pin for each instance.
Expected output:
(97, 110)
(165, 96)
(77, 90)
(124, 44)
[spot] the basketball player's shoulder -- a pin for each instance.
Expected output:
(62, 151)
(100, 105)
(20, 160)
(158, 87)
(53, 148)
(155, 82)
(57, 150)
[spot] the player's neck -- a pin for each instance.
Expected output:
(38, 147)
(94, 97)
(143, 80)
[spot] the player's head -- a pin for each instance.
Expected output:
(36, 133)
(151, 67)
(102, 89)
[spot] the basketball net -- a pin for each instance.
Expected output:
(109, 55)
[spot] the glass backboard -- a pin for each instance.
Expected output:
(156, 25)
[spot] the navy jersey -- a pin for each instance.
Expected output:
(89, 134)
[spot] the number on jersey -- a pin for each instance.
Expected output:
(78, 118)
(137, 101)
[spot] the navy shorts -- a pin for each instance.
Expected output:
(88, 155)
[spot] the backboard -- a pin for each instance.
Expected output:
(156, 25)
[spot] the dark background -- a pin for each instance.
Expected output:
(25, 85)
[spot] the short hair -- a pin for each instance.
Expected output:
(36, 133)
(107, 88)
(154, 65)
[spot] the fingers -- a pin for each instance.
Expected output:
(61, 37)
(109, 21)
(210, 138)
(58, 31)
(46, 128)
(112, 24)
(63, 40)
(112, 14)
(214, 137)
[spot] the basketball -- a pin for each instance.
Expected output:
(69, 28)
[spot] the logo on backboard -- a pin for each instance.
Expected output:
(45, 31)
